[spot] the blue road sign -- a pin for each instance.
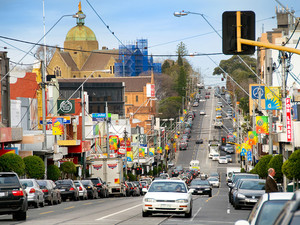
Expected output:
(256, 91)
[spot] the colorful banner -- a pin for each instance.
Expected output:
(142, 152)
(238, 148)
(129, 156)
(262, 125)
(252, 137)
(151, 151)
(272, 101)
(113, 142)
(57, 126)
(159, 150)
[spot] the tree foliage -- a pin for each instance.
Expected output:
(68, 168)
(53, 172)
(169, 107)
(11, 162)
(34, 167)
(181, 82)
(40, 53)
(276, 163)
(291, 167)
(262, 166)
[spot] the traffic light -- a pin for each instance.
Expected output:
(172, 140)
(223, 140)
(229, 27)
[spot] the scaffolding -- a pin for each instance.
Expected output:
(133, 60)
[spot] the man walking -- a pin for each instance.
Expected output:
(271, 185)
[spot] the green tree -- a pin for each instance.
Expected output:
(181, 52)
(262, 166)
(291, 167)
(53, 172)
(11, 162)
(181, 82)
(276, 163)
(34, 167)
(169, 106)
(68, 168)
(165, 66)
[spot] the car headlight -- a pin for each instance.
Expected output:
(149, 200)
(182, 201)
(241, 196)
(207, 189)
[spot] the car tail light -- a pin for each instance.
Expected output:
(45, 190)
(32, 190)
(80, 188)
(18, 193)
(131, 188)
(72, 189)
(99, 184)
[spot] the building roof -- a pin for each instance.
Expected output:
(68, 60)
(132, 84)
(98, 61)
(80, 33)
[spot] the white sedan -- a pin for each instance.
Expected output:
(214, 181)
(167, 196)
(223, 160)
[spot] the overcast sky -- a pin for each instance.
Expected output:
(131, 20)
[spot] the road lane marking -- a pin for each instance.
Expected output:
(88, 203)
(104, 217)
(46, 212)
(195, 214)
(71, 207)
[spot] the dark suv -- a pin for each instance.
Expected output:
(101, 187)
(67, 189)
(13, 198)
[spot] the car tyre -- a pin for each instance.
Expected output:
(189, 214)
(236, 206)
(145, 214)
(51, 202)
(42, 204)
(19, 216)
(36, 204)
(210, 194)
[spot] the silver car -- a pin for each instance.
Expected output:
(82, 190)
(35, 195)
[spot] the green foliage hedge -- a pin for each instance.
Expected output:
(11, 162)
(53, 172)
(34, 167)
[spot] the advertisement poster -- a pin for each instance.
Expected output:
(57, 126)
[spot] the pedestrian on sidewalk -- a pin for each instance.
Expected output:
(271, 185)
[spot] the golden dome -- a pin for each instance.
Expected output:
(80, 33)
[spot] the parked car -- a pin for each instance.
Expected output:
(139, 185)
(195, 104)
(248, 192)
(199, 141)
(81, 189)
(229, 158)
(35, 195)
(201, 187)
(214, 181)
(13, 197)
(267, 208)
(67, 189)
(90, 188)
(136, 189)
(101, 187)
(51, 193)
(164, 195)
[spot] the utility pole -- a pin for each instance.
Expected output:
(107, 144)
(125, 139)
(43, 84)
(83, 131)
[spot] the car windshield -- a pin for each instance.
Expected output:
(269, 212)
(245, 176)
(252, 185)
(168, 187)
(212, 179)
(86, 182)
(214, 174)
(223, 157)
(199, 182)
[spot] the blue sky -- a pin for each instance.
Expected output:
(133, 19)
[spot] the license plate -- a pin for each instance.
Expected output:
(62, 189)
(165, 206)
(200, 191)
(2, 194)
(253, 200)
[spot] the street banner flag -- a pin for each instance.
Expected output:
(238, 148)
(252, 137)
(184, 112)
(159, 150)
(151, 151)
(57, 126)
(234, 134)
(113, 142)
(273, 102)
(142, 152)
(262, 125)
(129, 156)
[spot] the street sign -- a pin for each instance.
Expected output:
(249, 158)
(100, 116)
(256, 91)
(66, 119)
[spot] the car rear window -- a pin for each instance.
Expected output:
(8, 179)
(28, 183)
(200, 182)
(86, 182)
(252, 185)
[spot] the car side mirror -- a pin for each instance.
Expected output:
(24, 186)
